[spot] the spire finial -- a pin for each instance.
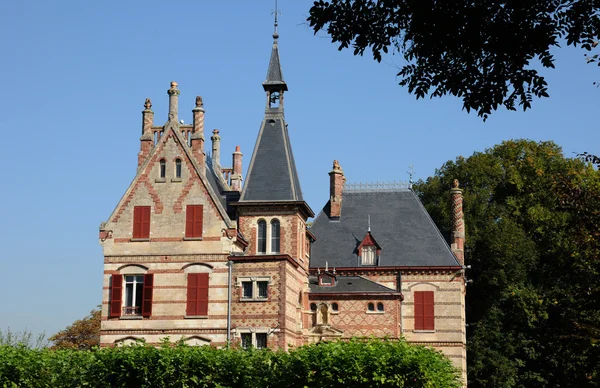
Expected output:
(369, 227)
(276, 13)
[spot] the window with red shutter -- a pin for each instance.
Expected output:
(147, 295)
(197, 294)
(193, 221)
(424, 310)
(141, 222)
(116, 292)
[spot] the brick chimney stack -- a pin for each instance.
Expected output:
(173, 93)
(147, 139)
(336, 186)
(197, 140)
(236, 177)
(458, 223)
(216, 150)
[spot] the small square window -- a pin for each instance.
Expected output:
(261, 340)
(254, 288)
(247, 290)
(262, 289)
(246, 340)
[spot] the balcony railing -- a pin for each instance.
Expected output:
(132, 310)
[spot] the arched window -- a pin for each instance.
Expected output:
(275, 236)
(380, 307)
(371, 307)
(334, 307)
(177, 168)
(261, 246)
(163, 168)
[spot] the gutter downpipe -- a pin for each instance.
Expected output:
(229, 271)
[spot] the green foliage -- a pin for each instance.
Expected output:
(373, 363)
(83, 334)
(532, 218)
(483, 51)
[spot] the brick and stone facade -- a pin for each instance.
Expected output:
(194, 251)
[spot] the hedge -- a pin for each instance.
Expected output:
(372, 363)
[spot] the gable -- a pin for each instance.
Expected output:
(170, 194)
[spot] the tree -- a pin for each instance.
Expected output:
(23, 338)
(483, 51)
(532, 219)
(83, 334)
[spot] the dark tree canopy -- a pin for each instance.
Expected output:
(532, 222)
(483, 51)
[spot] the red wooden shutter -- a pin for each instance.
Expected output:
(428, 317)
(197, 294)
(202, 308)
(419, 313)
(147, 295)
(141, 222)
(192, 286)
(137, 222)
(193, 221)
(116, 290)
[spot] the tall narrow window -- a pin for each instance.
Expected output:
(134, 291)
(424, 310)
(178, 168)
(246, 340)
(193, 221)
(275, 236)
(261, 246)
(141, 222)
(197, 294)
(163, 168)
(261, 340)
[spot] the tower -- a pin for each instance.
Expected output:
(272, 216)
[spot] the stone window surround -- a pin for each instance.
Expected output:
(375, 308)
(254, 280)
(252, 330)
(268, 221)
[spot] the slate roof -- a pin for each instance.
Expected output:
(272, 174)
(399, 222)
(347, 284)
(274, 74)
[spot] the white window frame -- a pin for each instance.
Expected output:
(132, 310)
(368, 255)
(255, 280)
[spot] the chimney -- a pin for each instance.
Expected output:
(458, 223)
(236, 177)
(147, 139)
(216, 149)
(173, 93)
(336, 186)
(197, 140)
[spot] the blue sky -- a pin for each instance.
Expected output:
(76, 74)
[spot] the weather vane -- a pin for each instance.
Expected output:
(276, 12)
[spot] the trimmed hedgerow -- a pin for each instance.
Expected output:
(372, 363)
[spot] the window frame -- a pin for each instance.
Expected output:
(253, 338)
(275, 235)
(368, 255)
(261, 237)
(119, 292)
(162, 169)
(254, 281)
(178, 168)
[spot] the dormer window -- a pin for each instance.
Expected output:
(326, 280)
(369, 250)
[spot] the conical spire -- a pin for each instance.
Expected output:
(274, 79)
(272, 174)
